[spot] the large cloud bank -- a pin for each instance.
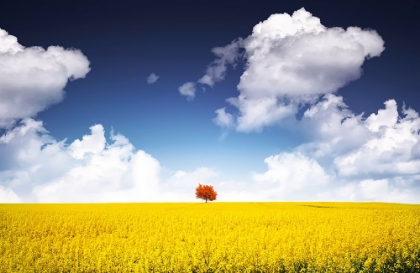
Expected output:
(39, 168)
(87, 170)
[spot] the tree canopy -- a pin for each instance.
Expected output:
(205, 192)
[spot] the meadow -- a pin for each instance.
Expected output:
(212, 237)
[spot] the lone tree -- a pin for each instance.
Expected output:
(205, 192)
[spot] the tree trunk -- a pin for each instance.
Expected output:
(206, 200)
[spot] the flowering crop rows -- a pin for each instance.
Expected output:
(213, 237)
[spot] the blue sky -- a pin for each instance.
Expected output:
(301, 79)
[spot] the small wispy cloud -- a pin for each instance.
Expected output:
(226, 55)
(223, 119)
(152, 78)
(188, 90)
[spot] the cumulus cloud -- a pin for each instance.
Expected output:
(391, 148)
(39, 168)
(291, 60)
(291, 172)
(332, 128)
(385, 118)
(152, 78)
(188, 90)
(297, 56)
(261, 112)
(93, 143)
(382, 147)
(33, 78)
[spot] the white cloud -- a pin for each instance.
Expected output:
(373, 188)
(39, 168)
(31, 157)
(33, 78)
(257, 113)
(216, 71)
(390, 149)
(8, 196)
(332, 128)
(291, 60)
(188, 90)
(297, 56)
(94, 143)
(179, 174)
(152, 78)
(116, 173)
(223, 119)
(383, 147)
(295, 59)
(291, 172)
(387, 117)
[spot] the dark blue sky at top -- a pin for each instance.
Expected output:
(125, 41)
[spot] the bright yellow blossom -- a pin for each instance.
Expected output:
(213, 237)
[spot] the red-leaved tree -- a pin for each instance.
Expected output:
(205, 192)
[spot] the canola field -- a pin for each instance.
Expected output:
(212, 237)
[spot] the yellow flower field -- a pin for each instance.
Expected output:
(212, 237)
